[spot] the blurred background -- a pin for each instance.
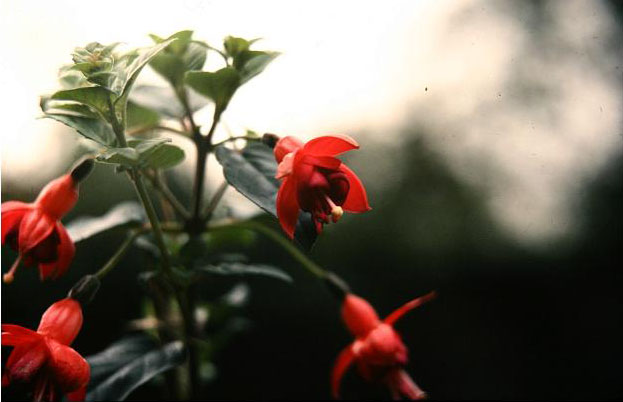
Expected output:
(491, 146)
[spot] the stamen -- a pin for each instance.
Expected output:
(9, 276)
(336, 210)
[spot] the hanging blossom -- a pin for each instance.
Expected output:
(314, 181)
(44, 359)
(378, 351)
(34, 229)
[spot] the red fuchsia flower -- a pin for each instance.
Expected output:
(35, 231)
(314, 181)
(44, 358)
(378, 350)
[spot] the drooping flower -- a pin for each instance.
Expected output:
(43, 358)
(314, 181)
(378, 351)
(35, 231)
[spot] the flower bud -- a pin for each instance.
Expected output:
(85, 289)
(82, 171)
(270, 139)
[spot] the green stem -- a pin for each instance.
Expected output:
(287, 245)
(159, 184)
(216, 198)
(139, 185)
(114, 260)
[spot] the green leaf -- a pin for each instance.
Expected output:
(96, 63)
(219, 86)
(164, 101)
(139, 116)
(252, 173)
(98, 98)
(93, 129)
(67, 108)
(252, 62)
(118, 355)
(151, 153)
(123, 214)
(234, 46)
(241, 269)
(178, 57)
(120, 384)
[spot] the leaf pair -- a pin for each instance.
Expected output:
(242, 65)
(128, 364)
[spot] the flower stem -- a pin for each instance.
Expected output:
(159, 184)
(114, 260)
(139, 185)
(287, 245)
(241, 137)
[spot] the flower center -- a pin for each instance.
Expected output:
(336, 210)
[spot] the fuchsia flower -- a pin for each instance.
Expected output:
(35, 231)
(314, 181)
(44, 358)
(377, 350)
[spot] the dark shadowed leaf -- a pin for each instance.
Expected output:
(122, 382)
(118, 355)
(93, 129)
(241, 269)
(251, 172)
(164, 101)
(128, 212)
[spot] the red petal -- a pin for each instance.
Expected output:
(33, 229)
(62, 321)
(405, 308)
(26, 360)
(66, 251)
(14, 205)
(13, 335)
(286, 145)
(287, 206)
(327, 162)
(359, 315)
(343, 362)
(11, 217)
(58, 196)
(330, 145)
(69, 370)
(78, 396)
(357, 199)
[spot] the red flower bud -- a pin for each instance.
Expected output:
(35, 231)
(378, 350)
(44, 358)
(314, 181)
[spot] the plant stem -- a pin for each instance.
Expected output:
(204, 147)
(216, 198)
(159, 184)
(287, 245)
(139, 185)
(114, 260)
